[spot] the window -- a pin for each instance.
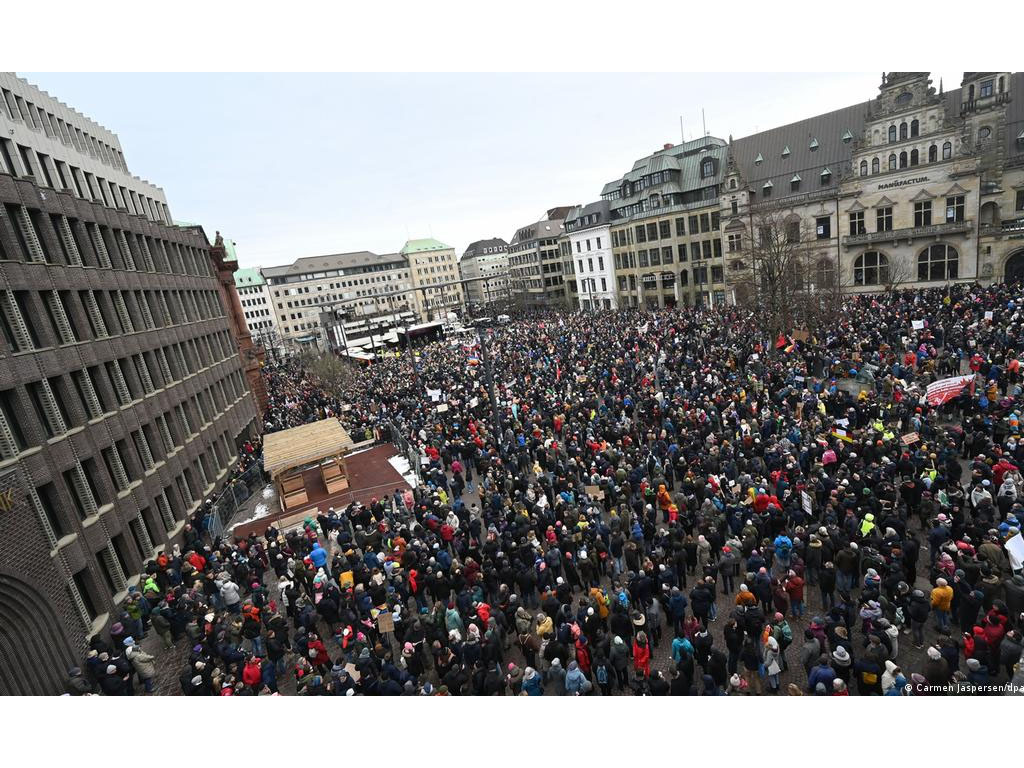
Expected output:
(938, 262)
(984, 132)
(870, 268)
(903, 159)
(823, 227)
(665, 229)
(857, 223)
(955, 208)
(695, 251)
(652, 231)
(707, 167)
(933, 153)
(914, 128)
(641, 236)
(883, 219)
(642, 258)
(766, 190)
(1019, 204)
(892, 133)
(12, 414)
(826, 177)
(947, 150)
(681, 248)
(914, 157)
(734, 207)
(735, 242)
(705, 223)
(666, 256)
(792, 231)
(923, 214)
(693, 225)
(874, 165)
(892, 162)
(680, 226)
(986, 88)
(824, 273)
(706, 249)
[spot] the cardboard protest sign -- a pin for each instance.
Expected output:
(346, 580)
(595, 492)
(910, 438)
(385, 622)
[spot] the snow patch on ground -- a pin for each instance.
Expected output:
(261, 510)
(401, 465)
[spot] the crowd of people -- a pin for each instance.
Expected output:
(672, 504)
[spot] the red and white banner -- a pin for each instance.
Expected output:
(944, 390)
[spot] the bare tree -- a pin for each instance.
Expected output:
(781, 269)
(894, 275)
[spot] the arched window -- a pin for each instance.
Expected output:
(892, 162)
(915, 157)
(938, 262)
(914, 128)
(970, 93)
(870, 268)
(824, 274)
(1000, 85)
(892, 133)
(903, 159)
(933, 153)
(947, 150)
(732, 183)
(863, 167)
(903, 131)
(707, 168)
(683, 277)
(874, 165)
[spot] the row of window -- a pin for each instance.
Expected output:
(937, 262)
(56, 174)
(38, 237)
(955, 211)
(698, 223)
(41, 319)
(907, 160)
(650, 281)
(704, 249)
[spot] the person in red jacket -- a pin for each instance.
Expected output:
(794, 587)
(641, 655)
(251, 674)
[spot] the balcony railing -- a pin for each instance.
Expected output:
(909, 233)
(1011, 226)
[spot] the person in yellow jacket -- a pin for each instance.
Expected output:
(942, 599)
(867, 524)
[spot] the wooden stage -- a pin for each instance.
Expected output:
(370, 475)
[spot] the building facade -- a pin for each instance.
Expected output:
(486, 259)
(432, 263)
(122, 399)
(257, 306)
(589, 238)
(915, 187)
(665, 235)
(537, 264)
(352, 285)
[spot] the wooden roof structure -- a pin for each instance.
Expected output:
(298, 446)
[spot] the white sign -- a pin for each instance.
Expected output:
(917, 325)
(442, 408)
(988, 315)
(805, 501)
(1015, 551)
(474, 402)
(434, 394)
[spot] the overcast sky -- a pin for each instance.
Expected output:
(303, 165)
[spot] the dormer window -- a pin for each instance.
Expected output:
(766, 190)
(707, 168)
(847, 137)
(794, 183)
(786, 152)
(826, 175)
(758, 160)
(813, 145)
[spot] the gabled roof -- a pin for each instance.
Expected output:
(762, 156)
(244, 278)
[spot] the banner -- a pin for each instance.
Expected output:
(434, 394)
(917, 325)
(910, 438)
(806, 503)
(944, 390)
(643, 328)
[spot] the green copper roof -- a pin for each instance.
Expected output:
(248, 276)
(429, 244)
(229, 250)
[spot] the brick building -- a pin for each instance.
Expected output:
(122, 394)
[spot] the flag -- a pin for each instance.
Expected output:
(944, 390)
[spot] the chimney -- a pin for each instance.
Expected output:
(668, 146)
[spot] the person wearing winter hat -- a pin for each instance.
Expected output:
(941, 602)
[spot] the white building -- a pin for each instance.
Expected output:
(588, 228)
(48, 141)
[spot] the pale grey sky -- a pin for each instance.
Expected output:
(302, 165)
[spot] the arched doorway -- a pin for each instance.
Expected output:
(1013, 272)
(35, 654)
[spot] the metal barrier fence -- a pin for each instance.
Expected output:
(233, 495)
(394, 435)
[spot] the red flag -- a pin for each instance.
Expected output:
(781, 341)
